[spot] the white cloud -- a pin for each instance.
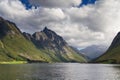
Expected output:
(55, 3)
(92, 24)
(12, 8)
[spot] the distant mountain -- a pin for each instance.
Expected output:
(44, 46)
(113, 53)
(94, 51)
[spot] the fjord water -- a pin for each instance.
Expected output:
(60, 71)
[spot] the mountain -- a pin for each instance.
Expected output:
(44, 46)
(94, 51)
(54, 45)
(15, 47)
(112, 55)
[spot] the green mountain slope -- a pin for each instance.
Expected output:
(15, 47)
(113, 53)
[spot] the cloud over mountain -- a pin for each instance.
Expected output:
(91, 24)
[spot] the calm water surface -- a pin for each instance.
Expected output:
(60, 71)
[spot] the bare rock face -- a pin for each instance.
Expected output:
(47, 39)
(53, 40)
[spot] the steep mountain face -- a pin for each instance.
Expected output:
(45, 46)
(113, 53)
(49, 39)
(54, 45)
(94, 51)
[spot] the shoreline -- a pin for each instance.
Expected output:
(29, 62)
(14, 62)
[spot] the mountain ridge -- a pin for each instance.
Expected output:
(44, 46)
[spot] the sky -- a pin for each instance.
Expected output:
(80, 22)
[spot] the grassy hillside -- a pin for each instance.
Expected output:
(113, 53)
(111, 56)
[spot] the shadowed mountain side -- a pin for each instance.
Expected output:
(113, 53)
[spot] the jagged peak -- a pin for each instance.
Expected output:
(45, 28)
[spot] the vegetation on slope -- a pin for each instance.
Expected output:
(111, 56)
(113, 53)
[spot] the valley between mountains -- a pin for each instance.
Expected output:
(42, 46)
(47, 46)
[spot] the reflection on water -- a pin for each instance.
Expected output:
(60, 71)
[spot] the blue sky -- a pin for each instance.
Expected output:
(84, 2)
(88, 2)
(26, 3)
